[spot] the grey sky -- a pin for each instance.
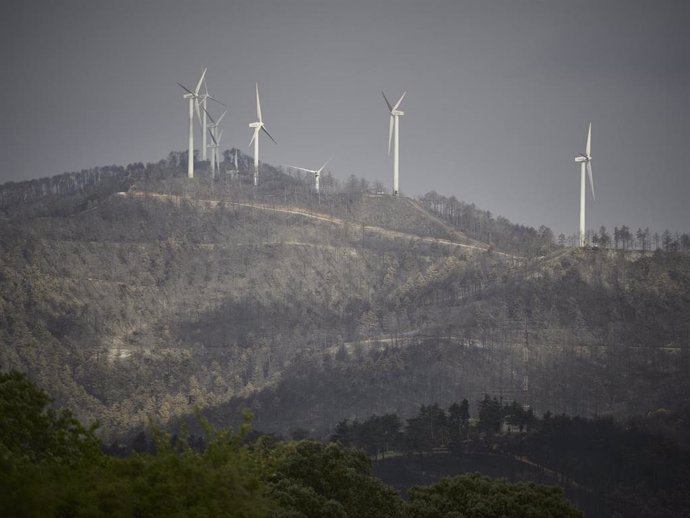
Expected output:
(499, 94)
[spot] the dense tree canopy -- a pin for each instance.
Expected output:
(478, 496)
(33, 433)
(315, 480)
(50, 466)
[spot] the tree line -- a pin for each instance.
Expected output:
(625, 238)
(483, 226)
(433, 428)
(51, 466)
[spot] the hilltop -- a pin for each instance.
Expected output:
(134, 293)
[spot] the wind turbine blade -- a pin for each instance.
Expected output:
(267, 133)
(209, 116)
(220, 137)
(390, 108)
(302, 169)
(210, 132)
(201, 80)
(390, 134)
(399, 101)
(258, 104)
(185, 88)
(324, 165)
(591, 181)
(235, 159)
(221, 117)
(216, 100)
(256, 132)
(588, 151)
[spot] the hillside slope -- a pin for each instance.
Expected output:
(139, 298)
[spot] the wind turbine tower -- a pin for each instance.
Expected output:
(203, 98)
(193, 98)
(258, 126)
(204, 125)
(215, 144)
(585, 161)
(393, 128)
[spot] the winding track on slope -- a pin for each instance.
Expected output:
(319, 216)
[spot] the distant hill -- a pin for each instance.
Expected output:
(134, 293)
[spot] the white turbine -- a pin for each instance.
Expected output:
(258, 126)
(315, 172)
(585, 162)
(393, 128)
(216, 150)
(203, 98)
(215, 144)
(193, 98)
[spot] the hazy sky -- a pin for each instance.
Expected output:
(499, 94)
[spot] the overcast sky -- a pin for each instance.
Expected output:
(499, 94)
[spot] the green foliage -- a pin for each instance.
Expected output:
(429, 429)
(51, 466)
(219, 482)
(314, 480)
(490, 414)
(375, 435)
(33, 433)
(478, 496)
(458, 421)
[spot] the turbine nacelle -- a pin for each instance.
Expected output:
(583, 158)
(394, 108)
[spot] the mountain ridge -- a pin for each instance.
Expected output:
(137, 299)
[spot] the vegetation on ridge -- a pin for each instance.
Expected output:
(228, 477)
(139, 306)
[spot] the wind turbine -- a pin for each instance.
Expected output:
(215, 137)
(193, 98)
(203, 98)
(315, 172)
(585, 165)
(215, 145)
(258, 126)
(393, 127)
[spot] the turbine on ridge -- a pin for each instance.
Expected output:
(201, 102)
(193, 98)
(393, 129)
(315, 172)
(258, 126)
(585, 161)
(215, 145)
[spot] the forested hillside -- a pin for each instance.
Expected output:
(135, 294)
